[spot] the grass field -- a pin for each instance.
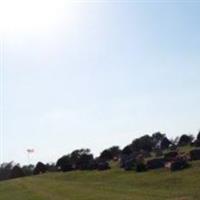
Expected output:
(113, 184)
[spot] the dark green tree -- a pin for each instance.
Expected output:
(17, 172)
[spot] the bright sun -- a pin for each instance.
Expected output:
(31, 15)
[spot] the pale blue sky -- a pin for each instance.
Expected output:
(96, 74)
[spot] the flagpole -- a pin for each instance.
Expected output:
(29, 151)
(28, 158)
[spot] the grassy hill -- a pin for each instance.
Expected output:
(114, 184)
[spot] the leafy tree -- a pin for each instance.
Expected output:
(198, 136)
(5, 170)
(106, 155)
(51, 167)
(175, 141)
(28, 170)
(81, 158)
(84, 162)
(185, 140)
(140, 167)
(157, 137)
(143, 143)
(17, 172)
(165, 143)
(40, 168)
(64, 163)
(197, 141)
(115, 151)
(127, 150)
(110, 153)
(103, 165)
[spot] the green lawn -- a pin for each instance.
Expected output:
(113, 184)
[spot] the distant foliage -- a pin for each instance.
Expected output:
(185, 140)
(170, 156)
(81, 159)
(195, 154)
(143, 143)
(103, 165)
(198, 136)
(127, 150)
(51, 167)
(140, 167)
(5, 170)
(40, 168)
(155, 163)
(179, 164)
(165, 143)
(197, 141)
(144, 153)
(17, 172)
(64, 163)
(157, 138)
(28, 170)
(110, 154)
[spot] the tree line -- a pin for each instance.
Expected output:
(132, 156)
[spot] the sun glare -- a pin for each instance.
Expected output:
(31, 15)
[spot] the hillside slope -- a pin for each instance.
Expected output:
(113, 184)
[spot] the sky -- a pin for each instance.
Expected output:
(93, 74)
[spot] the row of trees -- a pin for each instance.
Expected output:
(83, 159)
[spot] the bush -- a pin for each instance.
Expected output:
(128, 165)
(198, 136)
(40, 168)
(143, 143)
(84, 162)
(51, 167)
(170, 156)
(179, 164)
(158, 152)
(173, 147)
(64, 163)
(165, 143)
(103, 165)
(127, 161)
(28, 170)
(17, 172)
(127, 150)
(155, 163)
(195, 154)
(197, 143)
(5, 170)
(185, 140)
(140, 167)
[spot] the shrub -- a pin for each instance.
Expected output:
(127, 150)
(195, 154)
(170, 155)
(28, 170)
(185, 140)
(165, 143)
(16, 172)
(103, 165)
(143, 143)
(197, 143)
(140, 167)
(51, 167)
(158, 152)
(179, 164)
(5, 169)
(128, 165)
(40, 168)
(155, 163)
(64, 163)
